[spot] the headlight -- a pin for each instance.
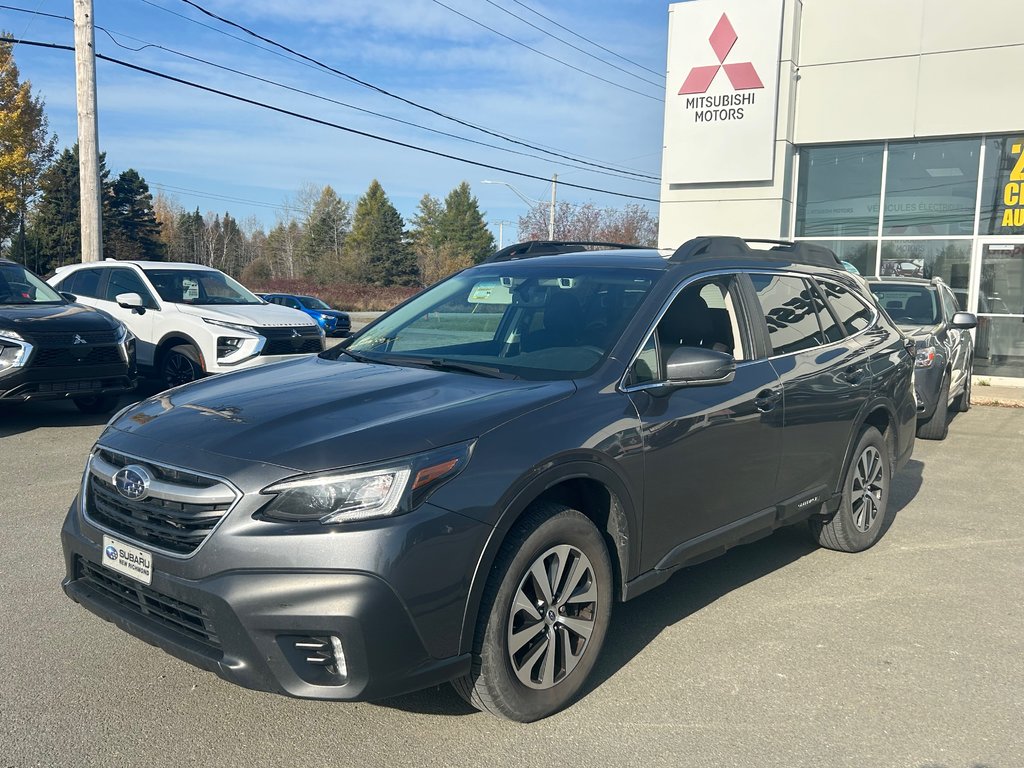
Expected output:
(14, 350)
(344, 496)
(232, 326)
(925, 357)
(11, 336)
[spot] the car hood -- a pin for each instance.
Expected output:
(29, 319)
(314, 414)
(260, 315)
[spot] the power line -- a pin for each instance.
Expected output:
(389, 94)
(326, 123)
(571, 45)
(223, 198)
(587, 39)
(627, 175)
(541, 53)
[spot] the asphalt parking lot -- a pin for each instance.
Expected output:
(778, 654)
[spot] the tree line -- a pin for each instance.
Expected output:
(320, 237)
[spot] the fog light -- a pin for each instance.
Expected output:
(340, 664)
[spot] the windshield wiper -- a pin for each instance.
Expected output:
(354, 356)
(455, 365)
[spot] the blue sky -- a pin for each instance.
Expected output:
(184, 139)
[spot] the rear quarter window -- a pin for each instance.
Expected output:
(852, 313)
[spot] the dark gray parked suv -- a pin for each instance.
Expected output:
(472, 481)
(929, 313)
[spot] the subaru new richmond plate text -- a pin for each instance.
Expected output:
(479, 475)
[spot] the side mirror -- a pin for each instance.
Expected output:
(965, 320)
(131, 301)
(696, 366)
(69, 296)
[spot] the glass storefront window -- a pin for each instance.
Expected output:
(1002, 279)
(931, 187)
(838, 191)
(999, 346)
(1002, 186)
(948, 259)
(860, 253)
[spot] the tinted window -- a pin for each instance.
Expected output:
(291, 303)
(125, 281)
(853, 314)
(84, 282)
(790, 305)
(908, 304)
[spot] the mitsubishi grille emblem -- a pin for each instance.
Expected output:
(132, 482)
(741, 74)
(295, 334)
(78, 340)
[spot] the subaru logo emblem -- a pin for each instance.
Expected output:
(111, 552)
(79, 340)
(132, 482)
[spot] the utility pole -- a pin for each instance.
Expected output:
(88, 141)
(551, 214)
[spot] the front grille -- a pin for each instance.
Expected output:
(177, 615)
(174, 526)
(67, 338)
(80, 355)
(291, 341)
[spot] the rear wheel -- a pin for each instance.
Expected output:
(180, 365)
(95, 404)
(963, 401)
(863, 514)
(937, 425)
(543, 617)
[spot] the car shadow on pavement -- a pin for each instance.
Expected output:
(25, 417)
(636, 624)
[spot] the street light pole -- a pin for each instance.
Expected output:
(551, 212)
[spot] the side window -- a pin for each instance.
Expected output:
(854, 315)
(702, 315)
(126, 281)
(84, 282)
(290, 302)
(790, 305)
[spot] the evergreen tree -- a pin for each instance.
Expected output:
(130, 226)
(323, 236)
(427, 243)
(188, 238)
(463, 228)
(25, 148)
(376, 251)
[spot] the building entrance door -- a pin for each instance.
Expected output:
(999, 341)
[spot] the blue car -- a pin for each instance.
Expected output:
(333, 321)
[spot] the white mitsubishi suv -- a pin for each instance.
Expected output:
(190, 320)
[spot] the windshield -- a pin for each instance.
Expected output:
(199, 286)
(908, 304)
(511, 320)
(313, 303)
(19, 286)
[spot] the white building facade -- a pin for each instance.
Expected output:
(890, 131)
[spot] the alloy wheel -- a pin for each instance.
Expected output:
(179, 369)
(552, 617)
(868, 488)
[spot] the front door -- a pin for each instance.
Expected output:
(999, 339)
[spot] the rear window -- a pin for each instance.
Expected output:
(908, 304)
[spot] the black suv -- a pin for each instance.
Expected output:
(52, 348)
(475, 478)
(928, 312)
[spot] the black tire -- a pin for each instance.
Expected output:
(521, 685)
(936, 427)
(963, 400)
(180, 365)
(863, 515)
(95, 404)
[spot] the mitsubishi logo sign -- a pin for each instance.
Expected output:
(741, 74)
(722, 89)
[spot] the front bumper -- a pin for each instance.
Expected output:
(243, 624)
(40, 383)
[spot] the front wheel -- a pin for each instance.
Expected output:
(543, 617)
(180, 365)
(863, 514)
(963, 401)
(936, 427)
(96, 404)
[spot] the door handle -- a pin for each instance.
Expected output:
(766, 399)
(853, 375)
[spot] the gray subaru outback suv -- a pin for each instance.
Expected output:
(463, 490)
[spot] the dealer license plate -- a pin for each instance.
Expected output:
(131, 561)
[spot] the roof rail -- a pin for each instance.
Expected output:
(728, 247)
(533, 248)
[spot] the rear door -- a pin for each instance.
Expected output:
(826, 381)
(711, 452)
